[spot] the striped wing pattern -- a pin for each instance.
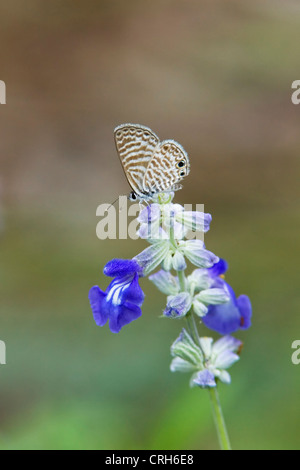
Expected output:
(135, 145)
(163, 171)
(150, 166)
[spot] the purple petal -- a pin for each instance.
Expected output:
(133, 293)
(99, 305)
(121, 315)
(205, 378)
(195, 251)
(196, 220)
(245, 309)
(224, 318)
(121, 267)
(218, 268)
(149, 214)
(178, 305)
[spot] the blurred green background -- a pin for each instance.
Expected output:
(216, 77)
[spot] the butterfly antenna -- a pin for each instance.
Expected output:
(112, 204)
(125, 195)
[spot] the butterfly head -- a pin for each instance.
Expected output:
(133, 196)
(141, 197)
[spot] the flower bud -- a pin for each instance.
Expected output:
(178, 305)
(165, 282)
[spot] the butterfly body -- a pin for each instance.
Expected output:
(150, 166)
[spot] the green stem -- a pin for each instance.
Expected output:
(181, 278)
(172, 235)
(219, 419)
(213, 392)
(192, 328)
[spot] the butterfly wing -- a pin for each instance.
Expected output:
(168, 165)
(135, 145)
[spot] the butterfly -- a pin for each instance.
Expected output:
(150, 166)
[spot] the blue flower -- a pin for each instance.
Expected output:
(230, 316)
(207, 360)
(219, 356)
(196, 252)
(120, 303)
(165, 282)
(157, 219)
(178, 305)
(205, 379)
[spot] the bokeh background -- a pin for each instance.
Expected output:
(215, 76)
